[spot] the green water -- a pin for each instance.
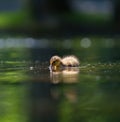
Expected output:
(30, 92)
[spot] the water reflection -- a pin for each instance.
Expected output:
(46, 93)
(68, 75)
(43, 107)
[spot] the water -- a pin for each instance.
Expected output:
(30, 92)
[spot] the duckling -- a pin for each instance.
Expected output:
(57, 63)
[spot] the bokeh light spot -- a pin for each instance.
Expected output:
(85, 42)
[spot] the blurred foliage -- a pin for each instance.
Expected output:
(16, 19)
(84, 18)
(39, 15)
(88, 49)
(12, 54)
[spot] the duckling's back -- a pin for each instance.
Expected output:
(70, 61)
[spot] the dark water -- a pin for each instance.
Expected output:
(29, 92)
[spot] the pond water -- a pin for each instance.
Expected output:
(31, 93)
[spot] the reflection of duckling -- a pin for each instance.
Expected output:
(58, 64)
(68, 75)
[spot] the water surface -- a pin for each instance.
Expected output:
(30, 92)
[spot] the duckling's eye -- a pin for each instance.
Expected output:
(54, 62)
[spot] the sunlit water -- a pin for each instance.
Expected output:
(30, 92)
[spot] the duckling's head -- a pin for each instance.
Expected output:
(55, 63)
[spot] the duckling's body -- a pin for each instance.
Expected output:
(57, 63)
(70, 61)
